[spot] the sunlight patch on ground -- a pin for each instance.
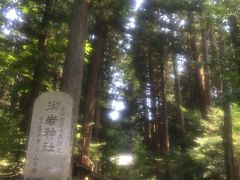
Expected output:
(4, 163)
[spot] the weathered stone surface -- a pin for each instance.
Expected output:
(50, 147)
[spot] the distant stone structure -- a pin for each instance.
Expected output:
(49, 146)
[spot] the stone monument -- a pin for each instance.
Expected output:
(49, 146)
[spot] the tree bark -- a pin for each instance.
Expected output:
(178, 96)
(212, 38)
(153, 90)
(73, 67)
(227, 126)
(97, 117)
(227, 138)
(165, 141)
(214, 52)
(90, 105)
(200, 73)
(40, 68)
(235, 30)
(206, 64)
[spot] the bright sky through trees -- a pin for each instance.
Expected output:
(117, 76)
(114, 115)
(118, 105)
(166, 99)
(138, 4)
(11, 15)
(123, 159)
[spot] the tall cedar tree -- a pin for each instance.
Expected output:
(40, 63)
(73, 68)
(91, 104)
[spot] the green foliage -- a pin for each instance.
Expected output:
(194, 127)
(115, 14)
(95, 151)
(118, 138)
(209, 146)
(19, 53)
(205, 158)
(147, 165)
(183, 166)
(12, 143)
(236, 132)
(199, 155)
(88, 50)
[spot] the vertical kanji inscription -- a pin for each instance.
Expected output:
(49, 146)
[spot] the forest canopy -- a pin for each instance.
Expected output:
(155, 84)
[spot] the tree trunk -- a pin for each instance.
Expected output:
(73, 67)
(164, 125)
(98, 109)
(200, 74)
(217, 82)
(153, 92)
(227, 138)
(234, 32)
(178, 96)
(97, 118)
(206, 64)
(90, 105)
(227, 126)
(164, 134)
(212, 38)
(40, 68)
